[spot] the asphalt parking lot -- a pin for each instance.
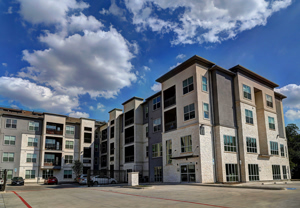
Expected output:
(73, 195)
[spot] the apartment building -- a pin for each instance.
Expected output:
(37, 145)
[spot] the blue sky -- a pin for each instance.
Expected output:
(84, 58)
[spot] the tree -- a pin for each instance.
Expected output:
(293, 139)
(77, 167)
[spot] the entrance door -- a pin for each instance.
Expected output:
(188, 173)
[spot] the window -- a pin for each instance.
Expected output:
(104, 161)
(147, 152)
(11, 123)
(271, 123)
(274, 148)
(188, 173)
(96, 148)
(86, 152)
(30, 174)
(69, 144)
(129, 154)
(9, 174)
(146, 112)
(112, 132)
(9, 140)
(253, 172)
(231, 173)
(186, 144)
(112, 148)
(111, 159)
(247, 92)
(156, 125)
(157, 174)
(49, 158)
(47, 173)
(269, 101)
(8, 157)
(68, 159)
(147, 131)
(32, 142)
(189, 112)
(112, 122)
(204, 84)
(103, 148)
(282, 150)
(87, 137)
(284, 172)
(96, 160)
(87, 129)
(249, 116)
(286, 151)
(67, 173)
(169, 151)
(251, 145)
(31, 158)
(229, 143)
(156, 103)
(70, 130)
(206, 110)
(33, 126)
(188, 85)
(276, 172)
(157, 150)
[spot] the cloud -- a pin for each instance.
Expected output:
(77, 114)
(172, 67)
(82, 22)
(146, 68)
(180, 56)
(36, 96)
(114, 10)
(199, 21)
(4, 64)
(293, 114)
(292, 91)
(101, 107)
(9, 11)
(156, 87)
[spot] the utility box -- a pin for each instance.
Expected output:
(133, 179)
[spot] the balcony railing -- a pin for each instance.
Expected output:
(51, 131)
(129, 158)
(53, 147)
(129, 139)
(52, 164)
(129, 121)
(170, 101)
(170, 125)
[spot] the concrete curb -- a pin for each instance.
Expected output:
(137, 187)
(242, 187)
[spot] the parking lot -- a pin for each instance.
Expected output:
(73, 195)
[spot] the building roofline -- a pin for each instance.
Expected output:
(216, 67)
(155, 95)
(54, 114)
(87, 119)
(22, 115)
(133, 98)
(253, 75)
(279, 95)
(193, 60)
(115, 109)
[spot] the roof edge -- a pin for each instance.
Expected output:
(133, 98)
(216, 67)
(115, 109)
(279, 95)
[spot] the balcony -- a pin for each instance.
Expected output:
(170, 120)
(53, 128)
(129, 117)
(170, 126)
(53, 143)
(129, 135)
(52, 161)
(169, 97)
(129, 159)
(129, 121)
(129, 154)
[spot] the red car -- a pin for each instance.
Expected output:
(51, 180)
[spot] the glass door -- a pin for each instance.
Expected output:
(188, 173)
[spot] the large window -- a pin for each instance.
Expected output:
(188, 173)
(205, 110)
(157, 150)
(87, 151)
(284, 172)
(112, 132)
(158, 174)
(253, 172)
(157, 125)
(32, 142)
(249, 116)
(146, 112)
(112, 148)
(68, 159)
(269, 101)
(33, 126)
(30, 174)
(271, 123)
(169, 151)
(204, 84)
(229, 143)
(67, 173)
(189, 112)
(8, 157)
(251, 145)
(9, 140)
(129, 154)
(186, 144)
(69, 144)
(282, 150)
(11, 123)
(156, 102)
(247, 92)
(47, 173)
(231, 173)
(276, 172)
(70, 130)
(274, 148)
(87, 137)
(188, 85)
(31, 158)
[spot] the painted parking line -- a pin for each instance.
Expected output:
(151, 197)
(23, 200)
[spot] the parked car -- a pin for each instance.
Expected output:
(17, 181)
(103, 180)
(51, 180)
(83, 180)
(79, 177)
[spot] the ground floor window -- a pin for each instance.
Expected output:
(158, 174)
(30, 174)
(47, 174)
(232, 173)
(9, 174)
(253, 172)
(67, 173)
(276, 172)
(188, 173)
(284, 172)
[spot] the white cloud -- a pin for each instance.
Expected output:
(77, 114)
(4, 64)
(82, 22)
(180, 56)
(292, 91)
(91, 108)
(36, 96)
(146, 68)
(202, 20)
(101, 107)
(172, 67)
(114, 10)
(156, 87)
(9, 11)
(293, 114)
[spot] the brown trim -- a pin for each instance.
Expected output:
(133, 98)
(153, 96)
(279, 96)
(115, 109)
(216, 67)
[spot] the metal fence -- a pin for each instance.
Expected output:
(3, 179)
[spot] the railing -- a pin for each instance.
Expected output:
(53, 147)
(51, 131)
(129, 158)
(170, 101)
(129, 121)
(129, 139)
(170, 125)
(52, 164)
